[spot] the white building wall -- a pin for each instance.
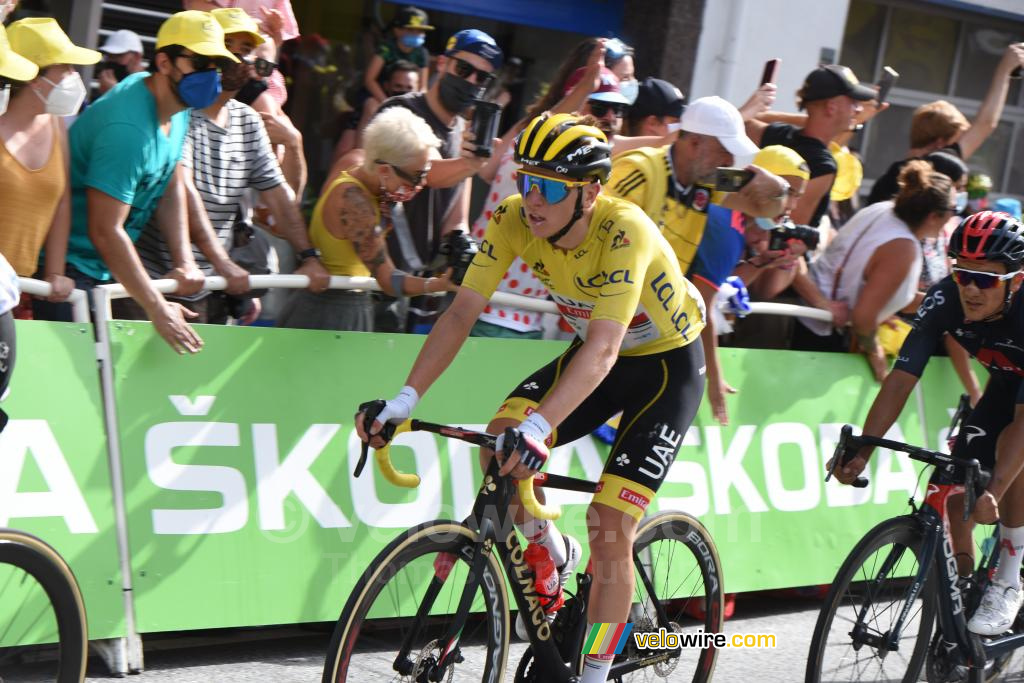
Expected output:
(738, 36)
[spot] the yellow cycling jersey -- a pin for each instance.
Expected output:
(644, 177)
(624, 270)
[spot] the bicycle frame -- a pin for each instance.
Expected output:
(937, 554)
(496, 532)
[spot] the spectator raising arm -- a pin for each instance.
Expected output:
(991, 110)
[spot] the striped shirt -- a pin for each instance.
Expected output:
(225, 163)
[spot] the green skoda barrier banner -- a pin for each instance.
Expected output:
(55, 480)
(243, 511)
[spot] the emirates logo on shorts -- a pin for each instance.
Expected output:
(631, 496)
(701, 199)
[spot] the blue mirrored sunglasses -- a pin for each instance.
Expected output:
(552, 189)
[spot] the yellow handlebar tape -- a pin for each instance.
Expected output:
(534, 506)
(383, 457)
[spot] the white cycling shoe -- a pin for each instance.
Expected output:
(997, 611)
(573, 554)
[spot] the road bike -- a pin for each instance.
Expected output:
(440, 587)
(40, 603)
(900, 583)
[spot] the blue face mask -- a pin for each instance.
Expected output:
(199, 89)
(413, 41)
(765, 223)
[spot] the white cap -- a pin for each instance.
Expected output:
(122, 41)
(715, 117)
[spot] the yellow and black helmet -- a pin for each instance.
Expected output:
(561, 144)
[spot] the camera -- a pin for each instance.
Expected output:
(732, 179)
(788, 231)
(457, 252)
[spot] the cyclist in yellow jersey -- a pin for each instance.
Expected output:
(350, 223)
(638, 350)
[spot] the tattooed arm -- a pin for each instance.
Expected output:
(349, 214)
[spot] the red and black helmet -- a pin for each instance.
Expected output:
(989, 236)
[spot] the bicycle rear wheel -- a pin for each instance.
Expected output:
(39, 604)
(867, 597)
(677, 570)
(402, 606)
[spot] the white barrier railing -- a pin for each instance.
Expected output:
(217, 283)
(79, 300)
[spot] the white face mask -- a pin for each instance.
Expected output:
(5, 98)
(66, 97)
(629, 89)
(961, 202)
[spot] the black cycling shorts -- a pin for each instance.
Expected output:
(994, 412)
(658, 396)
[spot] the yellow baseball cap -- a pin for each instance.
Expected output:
(13, 65)
(236, 20)
(782, 161)
(849, 173)
(197, 31)
(41, 41)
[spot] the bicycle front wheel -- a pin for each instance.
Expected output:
(678, 587)
(401, 608)
(853, 639)
(40, 604)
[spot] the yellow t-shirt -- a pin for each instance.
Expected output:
(643, 177)
(338, 255)
(624, 270)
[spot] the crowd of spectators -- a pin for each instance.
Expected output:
(174, 168)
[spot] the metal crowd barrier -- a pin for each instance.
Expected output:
(106, 293)
(79, 300)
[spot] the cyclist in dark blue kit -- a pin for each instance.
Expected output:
(979, 306)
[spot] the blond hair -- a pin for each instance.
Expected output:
(397, 136)
(936, 121)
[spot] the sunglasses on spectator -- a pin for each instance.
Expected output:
(199, 62)
(464, 70)
(599, 109)
(964, 278)
(418, 179)
(263, 67)
(552, 189)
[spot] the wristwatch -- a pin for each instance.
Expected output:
(312, 252)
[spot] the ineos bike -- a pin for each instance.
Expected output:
(39, 603)
(897, 610)
(440, 588)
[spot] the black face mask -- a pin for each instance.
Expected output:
(120, 70)
(457, 94)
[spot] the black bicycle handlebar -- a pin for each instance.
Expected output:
(976, 479)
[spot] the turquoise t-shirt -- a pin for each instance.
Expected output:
(117, 147)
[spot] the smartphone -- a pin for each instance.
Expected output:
(731, 179)
(889, 77)
(486, 116)
(771, 70)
